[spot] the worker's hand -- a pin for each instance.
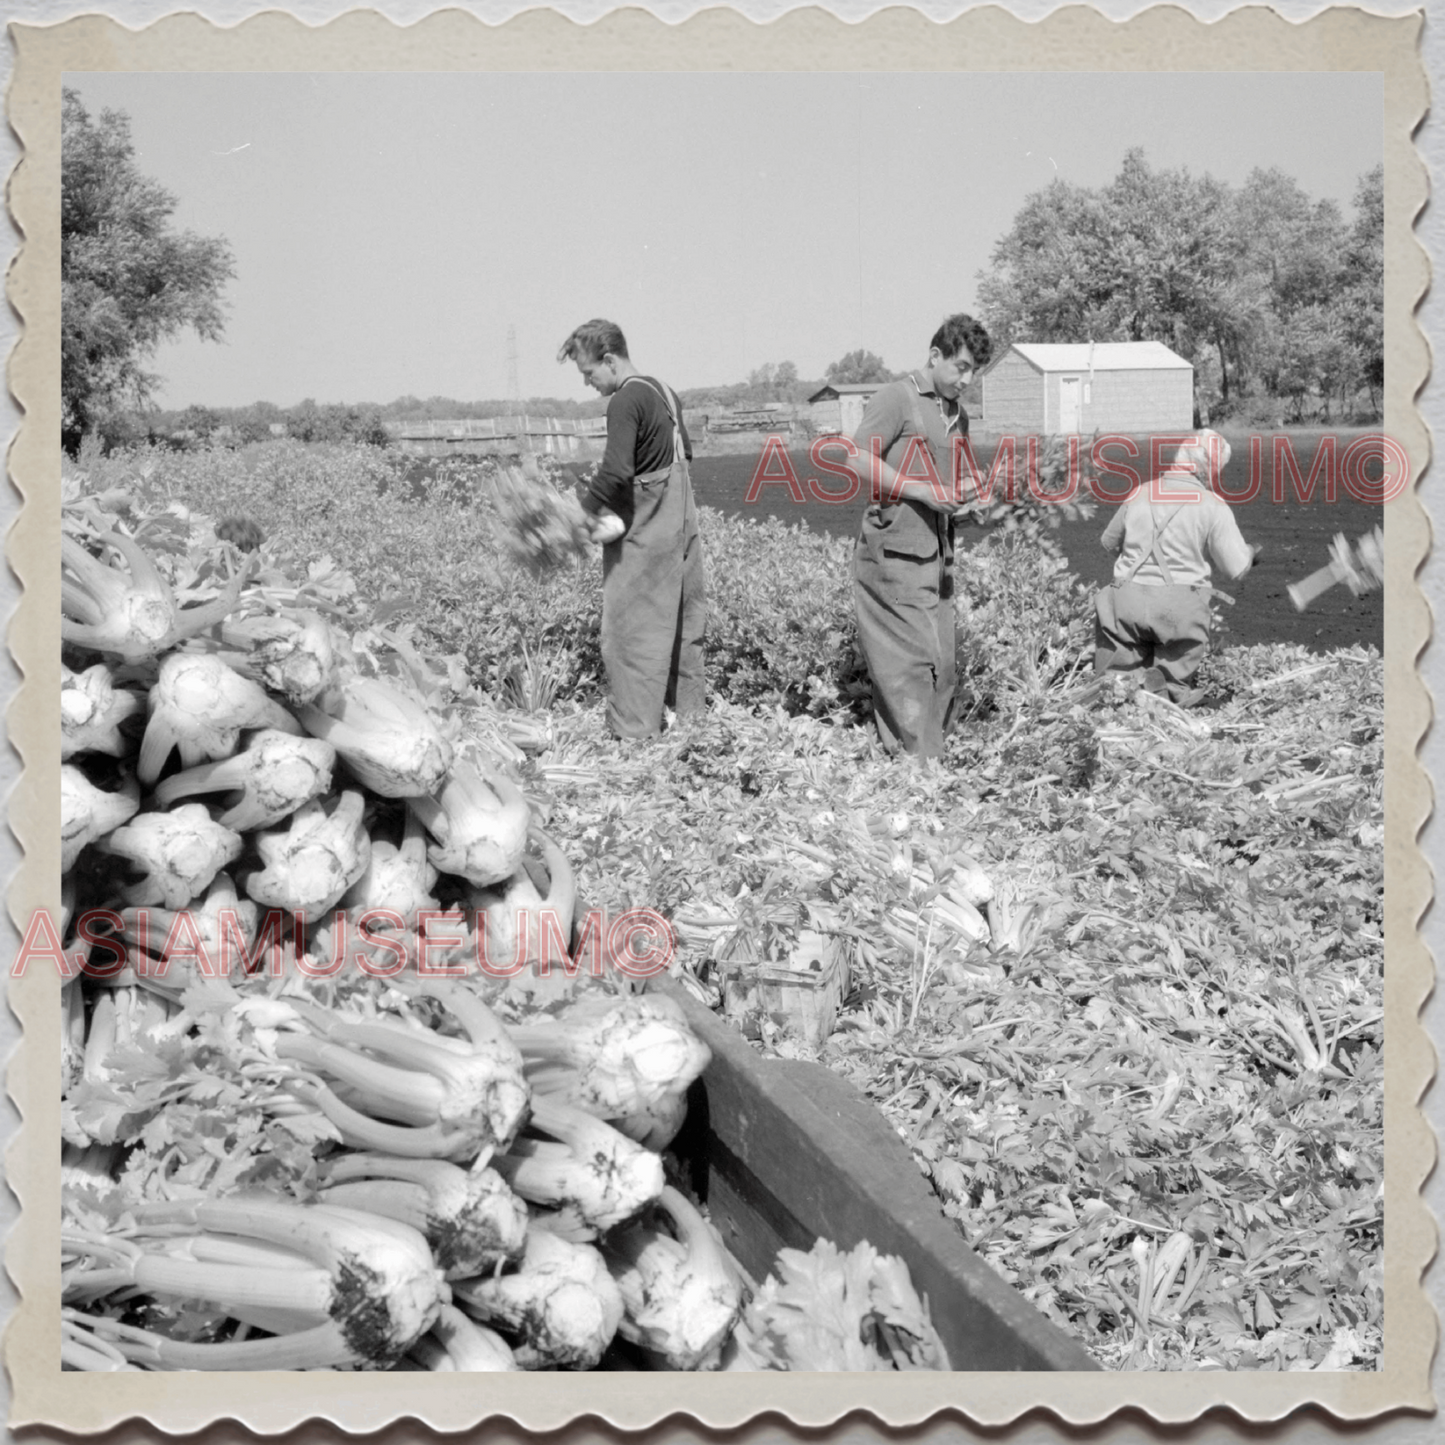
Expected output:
(606, 526)
(1248, 566)
(966, 501)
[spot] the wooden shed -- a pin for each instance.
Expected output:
(838, 408)
(1109, 386)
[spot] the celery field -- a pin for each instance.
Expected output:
(1148, 1090)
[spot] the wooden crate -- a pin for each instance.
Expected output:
(808, 1003)
(784, 1152)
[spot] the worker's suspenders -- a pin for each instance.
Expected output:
(674, 414)
(1153, 552)
(1163, 566)
(942, 524)
(915, 401)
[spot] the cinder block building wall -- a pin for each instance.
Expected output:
(1062, 388)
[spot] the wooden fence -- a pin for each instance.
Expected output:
(501, 435)
(573, 437)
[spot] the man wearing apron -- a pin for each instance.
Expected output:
(1154, 615)
(903, 560)
(654, 594)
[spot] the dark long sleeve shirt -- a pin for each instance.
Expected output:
(639, 440)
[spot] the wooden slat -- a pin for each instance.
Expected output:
(754, 1226)
(786, 1152)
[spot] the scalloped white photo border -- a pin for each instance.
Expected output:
(1074, 38)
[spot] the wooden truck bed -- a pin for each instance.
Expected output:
(785, 1152)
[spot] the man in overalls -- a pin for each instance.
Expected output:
(903, 560)
(654, 592)
(1154, 615)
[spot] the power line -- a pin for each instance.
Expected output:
(514, 385)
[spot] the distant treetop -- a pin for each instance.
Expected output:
(858, 366)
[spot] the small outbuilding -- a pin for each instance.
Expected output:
(837, 408)
(1059, 388)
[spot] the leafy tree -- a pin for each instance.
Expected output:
(1307, 355)
(200, 421)
(760, 382)
(1177, 261)
(127, 280)
(1362, 297)
(1147, 258)
(1050, 280)
(306, 422)
(1322, 332)
(1260, 282)
(772, 382)
(785, 381)
(253, 423)
(856, 367)
(1291, 244)
(335, 422)
(368, 426)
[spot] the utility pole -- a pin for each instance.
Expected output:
(514, 390)
(514, 385)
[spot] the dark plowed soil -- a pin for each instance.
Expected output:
(1294, 534)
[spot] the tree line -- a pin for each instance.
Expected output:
(130, 281)
(1273, 296)
(368, 423)
(1277, 299)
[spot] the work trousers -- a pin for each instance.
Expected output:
(904, 605)
(654, 607)
(1164, 630)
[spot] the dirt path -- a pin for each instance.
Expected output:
(1294, 535)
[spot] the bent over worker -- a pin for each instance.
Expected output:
(654, 591)
(1154, 615)
(903, 560)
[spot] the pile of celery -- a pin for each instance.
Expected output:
(288, 1146)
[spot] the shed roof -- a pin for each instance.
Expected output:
(1100, 356)
(846, 388)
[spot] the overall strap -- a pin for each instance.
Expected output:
(1154, 552)
(915, 402)
(668, 398)
(674, 415)
(942, 524)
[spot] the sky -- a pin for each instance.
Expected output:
(392, 232)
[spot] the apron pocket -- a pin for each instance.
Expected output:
(910, 549)
(899, 531)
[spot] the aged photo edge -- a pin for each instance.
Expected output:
(359, 41)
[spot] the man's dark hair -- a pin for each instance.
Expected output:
(593, 340)
(958, 331)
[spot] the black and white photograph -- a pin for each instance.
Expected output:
(727, 721)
